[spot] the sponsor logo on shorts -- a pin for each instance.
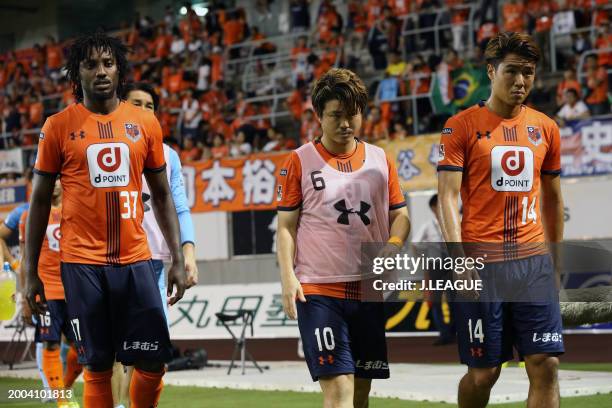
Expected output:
(553, 337)
(447, 131)
(141, 345)
(511, 168)
(441, 153)
(372, 365)
(283, 172)
(109, 164)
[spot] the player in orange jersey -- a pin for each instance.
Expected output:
(334, 194)
(54, 322)
(101, 145)
(504, 160)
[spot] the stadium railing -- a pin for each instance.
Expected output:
(412, 96)
(580, 68)
(562, 38)
(442, 23)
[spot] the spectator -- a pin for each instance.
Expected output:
(393, 28)
(604, 41)
(459, 17)
(375, 128)
(300, 15)
(239, 146)
(203, 75)
(486, 31)
(190, 152)
(542, 12)
(452, 59)
(178, 42)
(596, 86)
(388, 91)
(162, 44)
(310, 129)
(54, 57)
(378, 45)
(569, 82)
(295, 101)
(273, 141)
(191, 114)
(580, 44)
(219, 149)
(396, 66)
(399, 131)
(573, 110)
(513, 13)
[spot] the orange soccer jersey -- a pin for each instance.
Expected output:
(101, 159)
(501, 160)
(48, 262)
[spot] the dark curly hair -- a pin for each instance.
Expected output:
(80, 50)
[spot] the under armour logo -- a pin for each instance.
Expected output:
(145, 201)
(343, 218)
(479, 135)
(73, 135)
(476, 351)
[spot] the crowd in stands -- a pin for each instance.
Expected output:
(206, 112)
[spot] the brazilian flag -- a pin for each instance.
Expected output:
(470, 85)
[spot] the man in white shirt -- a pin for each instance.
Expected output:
(430, 232)
(574, 109)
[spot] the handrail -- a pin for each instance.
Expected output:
(580, 68)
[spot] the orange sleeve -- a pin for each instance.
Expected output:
(552, 161)
(396, 196)
(452, 146)
(155, 158)
(289, 189)
(22, 225)
(49, 157)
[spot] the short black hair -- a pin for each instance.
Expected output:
(433, 201)
(506, 43)
(82, 47)
(572, 91)
(144, 87)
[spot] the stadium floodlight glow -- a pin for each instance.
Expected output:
(183, 10)
(200, 10)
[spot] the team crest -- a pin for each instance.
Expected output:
(132, 132)
(534, 135)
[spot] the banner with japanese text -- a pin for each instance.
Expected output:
(416, 159)
(586, 147)
(233, 184)
(11, 161)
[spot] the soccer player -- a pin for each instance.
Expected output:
(335, 193)
(504, 159)
(144, 96)
(54, 322)
(101, 145)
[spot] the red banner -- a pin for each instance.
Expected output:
(247, 183)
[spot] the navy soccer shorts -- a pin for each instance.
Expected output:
(51, 324)
(116, 313)
(487, 332)
(342, 336)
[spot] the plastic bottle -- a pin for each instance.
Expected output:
(8, 288)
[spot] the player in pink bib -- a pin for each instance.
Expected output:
(334, 194)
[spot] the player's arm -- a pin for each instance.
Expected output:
(167, 219)
(36, 225)
(552, 207)
(289, 196)
(449, 186)
(179, 196)
(286, 237)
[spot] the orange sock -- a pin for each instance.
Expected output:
(73, 368)
(98, 392)
(52, 367)
(145, 389)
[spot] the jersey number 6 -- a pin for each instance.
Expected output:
(317, 182)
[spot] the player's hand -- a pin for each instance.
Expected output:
(191, 267)
(26, 311)
(292, 289)
(176, 278)
(35, 295)
(468, 276)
